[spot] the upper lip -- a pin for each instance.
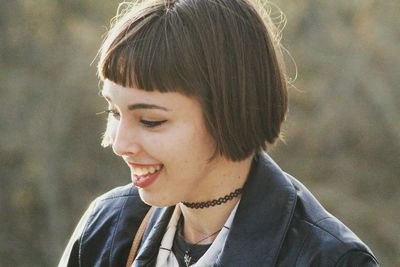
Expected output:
(141, 165)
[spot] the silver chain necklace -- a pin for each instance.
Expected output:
(187, 257)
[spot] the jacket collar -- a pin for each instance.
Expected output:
(259, 227)
(263, 217)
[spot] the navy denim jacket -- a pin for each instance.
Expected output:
(278, 223)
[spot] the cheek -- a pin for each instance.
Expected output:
(195, 144)
(173, 146)
(161, 145)
(204, 140)
(187, 145)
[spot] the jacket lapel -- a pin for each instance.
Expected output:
(152, 237)
(262, 218)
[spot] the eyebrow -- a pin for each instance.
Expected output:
(145, 106)
(137, 105)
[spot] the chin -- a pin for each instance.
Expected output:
(155, 199)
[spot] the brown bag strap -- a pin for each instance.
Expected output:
(138, 237)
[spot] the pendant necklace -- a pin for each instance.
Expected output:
(187, 257)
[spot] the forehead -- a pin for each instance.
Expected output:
(113, 91)
(169, 101)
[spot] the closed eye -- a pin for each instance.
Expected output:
(146, 123)
(152, 124)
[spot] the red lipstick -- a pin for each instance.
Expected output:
(146, 180)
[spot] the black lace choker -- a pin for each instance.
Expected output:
(214, 202)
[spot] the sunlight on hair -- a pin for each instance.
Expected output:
(276, 19)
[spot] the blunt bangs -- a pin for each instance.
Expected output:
(143, 52)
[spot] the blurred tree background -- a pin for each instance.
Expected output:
(342, 133)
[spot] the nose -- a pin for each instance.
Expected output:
(124, 139)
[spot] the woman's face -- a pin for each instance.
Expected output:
(163, 139)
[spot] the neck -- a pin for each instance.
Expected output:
(199, 223)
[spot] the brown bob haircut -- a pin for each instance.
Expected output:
(223, 53)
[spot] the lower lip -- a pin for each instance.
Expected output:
(145, 181)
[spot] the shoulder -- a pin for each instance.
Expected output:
(288, 223)
(106, 231)
(119, 192)
(115, 218)
(320, 238)
(117, 204)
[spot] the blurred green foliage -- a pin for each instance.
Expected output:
(342, 135)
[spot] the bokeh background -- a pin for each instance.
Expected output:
(342, 135)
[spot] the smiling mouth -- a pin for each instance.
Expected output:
(144, 171)
(143, 176)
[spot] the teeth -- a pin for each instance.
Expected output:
(145, 171)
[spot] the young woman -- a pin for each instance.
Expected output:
(196, 90)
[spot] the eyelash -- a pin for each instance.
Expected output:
(112, 112)
(146, 123)
(152, 124)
